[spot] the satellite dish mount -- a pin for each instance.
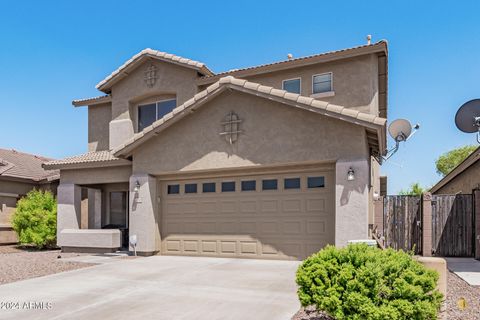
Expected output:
(400, 130)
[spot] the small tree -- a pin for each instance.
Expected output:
(449, 160)
(35, 219)
(415, 189)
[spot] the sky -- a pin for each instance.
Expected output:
(52, 52)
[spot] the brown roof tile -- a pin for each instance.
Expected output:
(89, 157)
(15, 164)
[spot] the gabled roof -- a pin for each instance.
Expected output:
(137, 59)
(378, 47)
(105, 158)
(464, 165)
(20, 165)
(375, 125)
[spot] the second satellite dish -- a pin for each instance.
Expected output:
(467, 118)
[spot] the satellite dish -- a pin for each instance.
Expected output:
(467, 118)
(400, 130)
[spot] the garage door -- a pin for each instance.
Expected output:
(271, 216)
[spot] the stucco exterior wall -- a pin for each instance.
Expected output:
(272, 133)
(94, 176)
(99, 117)
(355, 81)
(171, 79)
(465, 182)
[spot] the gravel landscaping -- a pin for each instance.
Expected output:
(17, 263)
(456, 289)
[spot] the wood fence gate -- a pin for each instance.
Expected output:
(453, 225)
(402, 222)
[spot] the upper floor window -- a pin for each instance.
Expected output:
(322, 83)
(292, 85)
(149, 113)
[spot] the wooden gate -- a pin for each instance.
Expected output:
(453, 225)
(402, 222)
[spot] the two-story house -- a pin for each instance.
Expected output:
(273, 161)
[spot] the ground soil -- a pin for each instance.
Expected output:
(19, 263)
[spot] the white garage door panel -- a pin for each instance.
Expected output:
(271, 224)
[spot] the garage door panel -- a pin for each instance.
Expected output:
(273, 224)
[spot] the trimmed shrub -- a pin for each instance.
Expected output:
(35, 219)
(361, 282)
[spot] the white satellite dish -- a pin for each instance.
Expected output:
(400, 130)
(467, 118)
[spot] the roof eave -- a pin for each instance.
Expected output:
(92, 101)
(87, 165)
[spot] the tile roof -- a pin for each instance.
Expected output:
(15, 164)
(104, 85)
(104, 156)
(92, 101)
(378, 46)
(373, 122)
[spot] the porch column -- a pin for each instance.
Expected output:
(143, 217)
(69, 197)
(94, 208)
(351, 201)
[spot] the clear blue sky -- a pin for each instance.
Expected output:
(52, 52)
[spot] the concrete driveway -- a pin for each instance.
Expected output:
(159, 287)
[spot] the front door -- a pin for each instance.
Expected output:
(119, 213)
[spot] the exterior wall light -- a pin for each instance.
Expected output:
(137, 187)
(350, 174)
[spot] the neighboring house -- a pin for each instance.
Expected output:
(274, 161)
(19, 173)
(464, 178)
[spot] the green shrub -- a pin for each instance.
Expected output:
(360, 282)
(35, 219)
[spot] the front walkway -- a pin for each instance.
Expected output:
(466, 268)
(159, 287)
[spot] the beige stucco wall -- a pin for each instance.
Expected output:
(99, 117)
(171, 80)
(464, 182)
(355, 81)
(273, 133)
(94, 176)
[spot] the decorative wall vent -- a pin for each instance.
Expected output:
(150, 75)
(231, 127)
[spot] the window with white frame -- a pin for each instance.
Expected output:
(292, 85)
(149, 113)
(322, 83)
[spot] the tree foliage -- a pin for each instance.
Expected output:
(415, 189)
(360, 282)
(35, 219)
(449, 160)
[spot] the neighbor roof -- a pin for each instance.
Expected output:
(374, 124)
(104, 157)
(378, 47)
(137, 59)
(15, 164)
(464, 165)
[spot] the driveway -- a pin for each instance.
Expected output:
(159, 287)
